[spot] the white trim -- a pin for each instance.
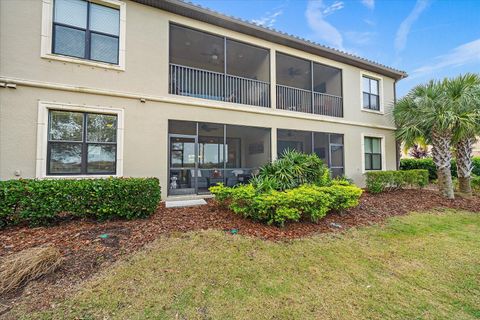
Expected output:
(42, 136)
(46, 37)
(384, 158)
(181, 100)
(380, 92)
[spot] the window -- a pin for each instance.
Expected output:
(327, 146)
(327, 80)
(297, 140)
(81, 143)
(371, 97)
(208, 66)
(373, 153)
(86, 30)
(204, 154)
(293, 72)
(307, 86)
(196, 49)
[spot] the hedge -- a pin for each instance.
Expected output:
(476, 183)
(277, 207)
(380, 181)
(428, 164)
(41, 201)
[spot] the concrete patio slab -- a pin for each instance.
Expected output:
(184, 203)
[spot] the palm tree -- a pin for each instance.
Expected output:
(463, 96)
(423, 113)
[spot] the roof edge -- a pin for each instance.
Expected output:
(190, 10)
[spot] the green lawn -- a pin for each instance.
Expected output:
(421, 266)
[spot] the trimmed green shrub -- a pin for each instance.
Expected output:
(428, 164)
(41, 201)
(343, 196)
(381, 181)
(476, 183)
(295, 186)
(277, 207)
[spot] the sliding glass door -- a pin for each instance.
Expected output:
(183, 155)
(211, 155)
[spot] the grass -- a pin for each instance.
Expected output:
(421, 266)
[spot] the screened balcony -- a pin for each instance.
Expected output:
(211, 67)
(309, 87)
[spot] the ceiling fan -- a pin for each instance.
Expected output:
(214, 55)
(207, 128)
(292, 72)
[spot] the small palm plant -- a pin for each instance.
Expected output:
(291, 170)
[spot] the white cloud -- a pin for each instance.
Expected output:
(371, 23)
(360, 38)
(269, 19)
(370, 4)
(324, 31)
(464, 54)
(404, 29)
(337, 5)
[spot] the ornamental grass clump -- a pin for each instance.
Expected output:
(19, 268)
(294, 187)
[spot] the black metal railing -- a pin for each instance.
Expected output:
(199, 83)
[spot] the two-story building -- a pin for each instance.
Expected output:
(168, 89)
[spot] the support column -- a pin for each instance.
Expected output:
(273, 79)
(273, 146)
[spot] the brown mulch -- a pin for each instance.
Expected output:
(86, 252)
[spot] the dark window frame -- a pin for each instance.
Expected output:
(84, 143)
(225, 48)
(369, 166)
(88, 36)
(371, 95)
(330, 145)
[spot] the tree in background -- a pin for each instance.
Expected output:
(418, 152)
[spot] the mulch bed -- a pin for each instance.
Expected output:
(86, 252)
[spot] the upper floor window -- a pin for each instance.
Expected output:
(86, 30)
(371, 96)
(307, 86)
(373, 153)
(81, 143)
(208, 66)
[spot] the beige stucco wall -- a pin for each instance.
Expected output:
(146, 129)
(145, 76)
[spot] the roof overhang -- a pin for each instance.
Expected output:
(211, 17)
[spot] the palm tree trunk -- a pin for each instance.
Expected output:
(442, 157)
(463, 152)
(398, 149)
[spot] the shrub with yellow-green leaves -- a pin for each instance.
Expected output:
(277, 207)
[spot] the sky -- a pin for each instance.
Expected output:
(429, 39)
